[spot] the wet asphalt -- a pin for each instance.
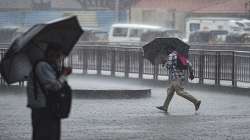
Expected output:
(223, 114)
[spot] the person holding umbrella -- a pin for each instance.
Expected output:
(47, 77)
(36, 56)
(176, 76)
(173, 54)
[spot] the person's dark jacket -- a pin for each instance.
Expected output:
(48, 79)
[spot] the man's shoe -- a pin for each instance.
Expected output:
(162, 108)
(197, 105)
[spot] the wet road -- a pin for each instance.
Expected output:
(222, 116)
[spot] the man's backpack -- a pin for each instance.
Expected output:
(58, 102)
(182, 62)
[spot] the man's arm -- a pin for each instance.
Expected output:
(191, 71)
(47, 77)
(190, 66)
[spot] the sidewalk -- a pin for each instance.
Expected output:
(94, 82)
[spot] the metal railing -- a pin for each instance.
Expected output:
(216, 65)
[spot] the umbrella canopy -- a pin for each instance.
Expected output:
(31, 46)
(164, 46)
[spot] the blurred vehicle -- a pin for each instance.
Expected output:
(234, 25)
(130, 33)
(238, 38)
(8, 33)
(245, 24)
(208, 37)
(150, 35)
(93, 35)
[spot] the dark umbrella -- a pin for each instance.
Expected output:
(164, 46)
(30, 47)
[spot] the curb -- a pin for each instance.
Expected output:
(90, 94)
(112, 94)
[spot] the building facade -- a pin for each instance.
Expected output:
(174, 13)
(91, 13)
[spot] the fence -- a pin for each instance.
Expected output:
(215, 65)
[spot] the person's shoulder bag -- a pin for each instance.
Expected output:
(58, 102)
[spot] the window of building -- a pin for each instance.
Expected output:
(194, 27)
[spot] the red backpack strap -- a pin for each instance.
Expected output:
(182, 58)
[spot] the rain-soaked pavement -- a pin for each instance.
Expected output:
(224, 114)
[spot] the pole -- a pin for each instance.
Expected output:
(117, 3)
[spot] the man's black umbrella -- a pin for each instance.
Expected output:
(30, 47)
(164, 46)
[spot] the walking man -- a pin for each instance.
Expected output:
(176, 76)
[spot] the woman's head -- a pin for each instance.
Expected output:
(54, 53)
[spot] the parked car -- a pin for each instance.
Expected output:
(238, 38)
(208, 37)
(150, 35)
(130, 33)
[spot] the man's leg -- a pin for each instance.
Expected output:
(55, 129)
(39, 125)
(170, 94)
(45, 126)
(180, 91)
